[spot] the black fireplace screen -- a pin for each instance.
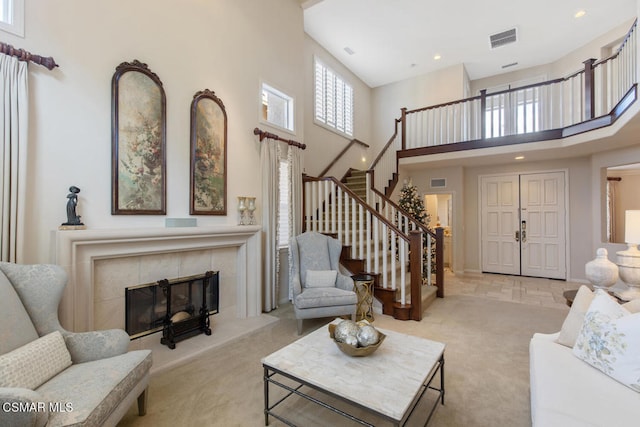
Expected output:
(152, 306)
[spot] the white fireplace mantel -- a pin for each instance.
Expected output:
(77, 251)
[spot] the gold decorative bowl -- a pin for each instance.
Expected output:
(352, 351)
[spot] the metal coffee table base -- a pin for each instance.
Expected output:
(271, 375)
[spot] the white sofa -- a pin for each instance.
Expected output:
(567, 391)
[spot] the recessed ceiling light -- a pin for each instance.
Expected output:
(436, 57)
(580, 14)
(412, 65)
(349, 50)
(520, 158)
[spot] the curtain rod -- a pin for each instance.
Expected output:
(270, 135)
(23, 55)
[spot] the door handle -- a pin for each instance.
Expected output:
(517, 236)
(524, 231)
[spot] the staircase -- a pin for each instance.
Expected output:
(356, 181)
(373, 241)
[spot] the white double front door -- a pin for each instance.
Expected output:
(522, 224)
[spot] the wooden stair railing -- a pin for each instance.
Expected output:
(379, 245)
(342, 153)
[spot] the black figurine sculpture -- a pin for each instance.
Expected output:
(72, 217)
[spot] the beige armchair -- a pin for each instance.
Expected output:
(317, 286)
(53, 377)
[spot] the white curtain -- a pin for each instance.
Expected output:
(294, 158)
(295, 175)
(13, 131)
(270, 160)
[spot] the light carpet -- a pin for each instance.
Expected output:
(486, 369)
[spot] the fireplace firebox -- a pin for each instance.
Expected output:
(180, 307)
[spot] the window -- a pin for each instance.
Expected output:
(283, 205)
(12, 16)
(333, 100)
(276, 108)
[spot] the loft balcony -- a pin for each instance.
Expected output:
(594, 109)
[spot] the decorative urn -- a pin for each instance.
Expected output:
(601, 272)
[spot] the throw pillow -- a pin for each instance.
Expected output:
(35, 363)
(573, 322)
(610, 340)
(321, 279)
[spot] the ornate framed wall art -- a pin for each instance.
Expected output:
(138, 132)
(208, 155)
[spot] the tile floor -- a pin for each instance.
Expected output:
(525, 290)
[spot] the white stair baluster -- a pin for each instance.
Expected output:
(361, 230)
(353, 230)
(403, 268)
(339, 200)
(332, 202)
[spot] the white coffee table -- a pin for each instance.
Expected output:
(388, 383)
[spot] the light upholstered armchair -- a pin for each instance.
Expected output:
(317, 286)
(50, 376)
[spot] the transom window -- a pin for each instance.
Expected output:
(276, 108)
(333, 100)
(12, 16)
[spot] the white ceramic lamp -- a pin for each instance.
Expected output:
(629, 260)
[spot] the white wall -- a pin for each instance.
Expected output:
(454, 176)
(328, 143)
(227, 46)
(579, 218)
(430, 89)
(564, 66)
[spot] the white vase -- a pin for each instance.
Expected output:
(242, 207)
(601, 272)
(251, 207)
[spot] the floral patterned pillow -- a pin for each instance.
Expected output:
(610, 340)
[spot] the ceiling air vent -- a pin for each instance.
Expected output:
(503, 38)
(438, 182)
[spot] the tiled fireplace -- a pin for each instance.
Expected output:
(102, 263)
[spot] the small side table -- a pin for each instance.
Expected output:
(363, 287)
(570, 296)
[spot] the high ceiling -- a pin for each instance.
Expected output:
(392, 40)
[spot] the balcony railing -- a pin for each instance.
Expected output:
(590, 98)
(557, 104)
